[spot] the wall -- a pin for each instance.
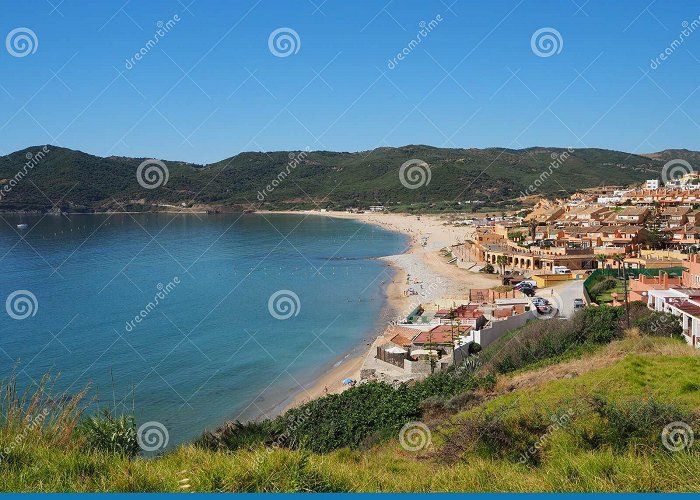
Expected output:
(545, 280)
(487, 336)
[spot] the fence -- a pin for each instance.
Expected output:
(487, 295)
(600, 274)
(396, 359)
(487, 336)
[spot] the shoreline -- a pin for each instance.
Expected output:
(420, 259)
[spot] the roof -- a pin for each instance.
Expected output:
(689, 307)
(632, 211)
(400, 335)
(671, 211)
(504, 312)
(441, 334)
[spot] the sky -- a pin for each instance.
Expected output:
(220, 80)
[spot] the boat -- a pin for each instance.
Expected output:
(22, 226)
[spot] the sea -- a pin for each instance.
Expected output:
(188, 321)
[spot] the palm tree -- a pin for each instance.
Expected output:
(618, 259)
(502, 260)
(601, 258)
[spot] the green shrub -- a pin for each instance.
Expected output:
(356, 418)
(107, 433)
(540, 340)
(660, 324)
(603, 286)
(633, 424)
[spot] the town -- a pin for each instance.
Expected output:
(606, 246)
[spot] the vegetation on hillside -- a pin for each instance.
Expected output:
(494, 177)
(561, 405)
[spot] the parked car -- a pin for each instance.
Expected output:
(579, 303)
(526, 283)
(528, 292)
(539, 301)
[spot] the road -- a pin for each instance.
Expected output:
(567, 291)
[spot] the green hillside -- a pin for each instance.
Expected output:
(561, 405)
(77, 181)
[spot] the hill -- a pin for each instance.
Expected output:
(71, 180)
(567, 405)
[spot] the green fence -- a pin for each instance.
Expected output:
(599, 274)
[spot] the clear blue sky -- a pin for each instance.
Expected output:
(211, 87)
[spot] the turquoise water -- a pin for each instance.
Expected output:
(205, 347)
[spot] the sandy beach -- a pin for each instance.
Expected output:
(433, 278)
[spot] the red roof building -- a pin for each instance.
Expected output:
(441, 334)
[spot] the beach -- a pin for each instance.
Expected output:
(422, 260)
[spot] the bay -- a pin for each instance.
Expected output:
(170, 316)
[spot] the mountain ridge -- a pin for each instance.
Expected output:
(74, 180)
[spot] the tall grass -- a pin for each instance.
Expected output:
(35, 415)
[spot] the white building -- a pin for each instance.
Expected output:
(685, 304)
(652, 184)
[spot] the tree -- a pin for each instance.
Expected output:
(502, 260)
(601, 258)
(532, 228)
(618, 259)
(654, 235)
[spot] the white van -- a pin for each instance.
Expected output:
(561, 270)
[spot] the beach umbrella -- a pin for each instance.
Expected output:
(348, 381)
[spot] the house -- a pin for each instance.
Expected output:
(628, 215)
(400, 335)
(442, 336)
(639, 288)
(684, 236)
(674, 216)
(681, 302)
(651, 184)
(691, 275)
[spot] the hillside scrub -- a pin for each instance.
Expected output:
(540, 340)
(599, 431)
(356, 418)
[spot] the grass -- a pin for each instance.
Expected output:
(614, 391)
(566, 464)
